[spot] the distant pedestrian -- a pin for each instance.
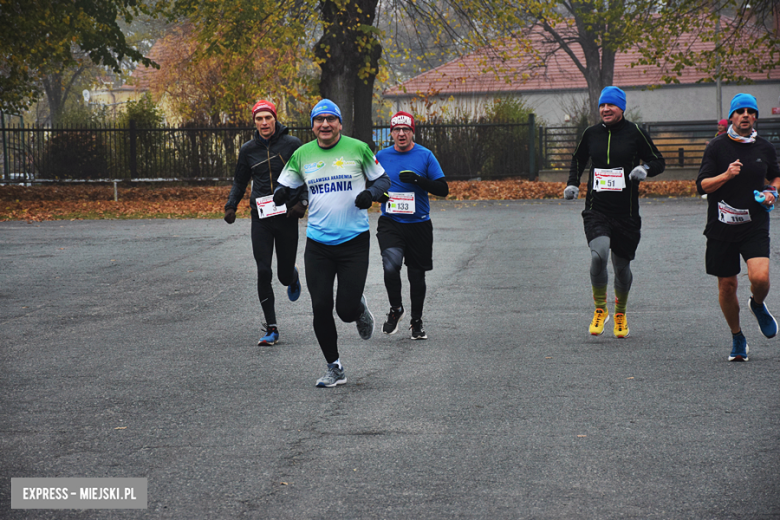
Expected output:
(261, 160)
(738, 169)
(723, 126)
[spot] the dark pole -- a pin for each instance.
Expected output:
(531, 147)
(133, 161)
(6, 173)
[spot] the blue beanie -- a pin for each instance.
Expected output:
(325, 107)
(743, 101)
(613, 96)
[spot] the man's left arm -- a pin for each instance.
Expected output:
(650, 155)
(433, 181)
(773, 172)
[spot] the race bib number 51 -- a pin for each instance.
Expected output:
(400, 203)
(608, 180)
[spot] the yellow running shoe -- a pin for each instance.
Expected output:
(600, 317)
(621, 325)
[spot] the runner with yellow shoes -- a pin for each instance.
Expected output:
(615, 148)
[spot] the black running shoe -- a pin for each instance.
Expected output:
(417, 329)
(393, 317)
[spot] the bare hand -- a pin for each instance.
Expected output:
(734, 169)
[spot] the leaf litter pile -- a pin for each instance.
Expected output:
(84, 202)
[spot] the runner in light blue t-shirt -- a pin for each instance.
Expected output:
(336, 171)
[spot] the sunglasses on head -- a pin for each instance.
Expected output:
(743, 110)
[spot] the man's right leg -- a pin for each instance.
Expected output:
(263, 250)
(599, 253)
(729, 304)
(392, 260)
(393, 247)
(320, 275)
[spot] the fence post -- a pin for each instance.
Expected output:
(6, 173)
(133, 162)
(531, 148)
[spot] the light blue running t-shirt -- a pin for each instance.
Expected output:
(334, 177)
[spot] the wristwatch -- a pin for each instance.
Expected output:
(305, 202)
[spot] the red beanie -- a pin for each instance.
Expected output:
(264, 106)
(402, 119)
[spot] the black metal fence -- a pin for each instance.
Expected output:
(38, 154)
(681, 143)
(465, 151)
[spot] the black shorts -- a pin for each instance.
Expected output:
(722, 258)
(416, 240)
(624, 232)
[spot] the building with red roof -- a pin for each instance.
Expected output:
(556, 89)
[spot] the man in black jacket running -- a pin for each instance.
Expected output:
(615, 148)
(262, 160)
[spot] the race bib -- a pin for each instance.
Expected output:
(608, 180)
(266, 207)
(400, 203)
(729, 215)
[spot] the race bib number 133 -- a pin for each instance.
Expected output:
(400, 203)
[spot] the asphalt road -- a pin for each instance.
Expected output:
(509, 410)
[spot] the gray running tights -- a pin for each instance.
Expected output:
(599, 251)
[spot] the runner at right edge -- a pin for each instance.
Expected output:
(740, 175)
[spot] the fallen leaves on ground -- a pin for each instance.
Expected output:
(85, 202)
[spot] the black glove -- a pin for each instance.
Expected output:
(296, 211)
(364, 199)
(409, 176)
(383, 198)
(281, 195)
(230, 215)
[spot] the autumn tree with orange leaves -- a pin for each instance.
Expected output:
(204, 88)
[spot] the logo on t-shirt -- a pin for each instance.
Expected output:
(340, 163)
(313, 167)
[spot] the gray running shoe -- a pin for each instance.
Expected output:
(393, 317)
(365, 323)
(417, 329)
(334, 376)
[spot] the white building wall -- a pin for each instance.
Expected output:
(667, 103)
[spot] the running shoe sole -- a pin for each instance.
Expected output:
(339, 382)
(740, 358)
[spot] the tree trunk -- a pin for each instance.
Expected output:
(52, 86)
(348, 59)
(364, 98)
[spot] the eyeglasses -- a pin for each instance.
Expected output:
(741, 111)
(329, 119)
(402, 130)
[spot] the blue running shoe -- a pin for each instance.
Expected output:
(294, 290)
(766, 322)
(271, 337)
(740, 349)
